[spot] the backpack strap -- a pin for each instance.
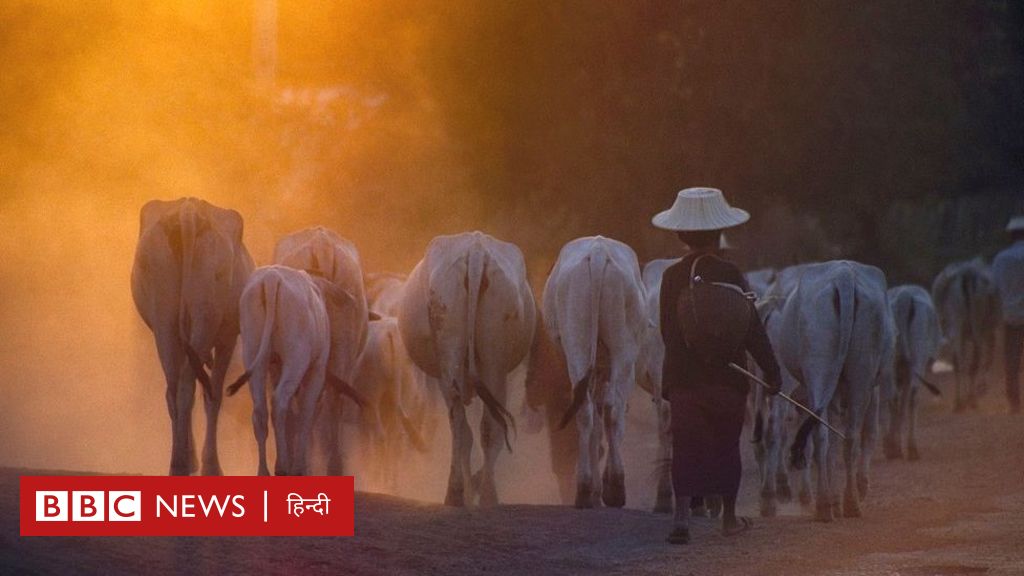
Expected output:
(694, 279)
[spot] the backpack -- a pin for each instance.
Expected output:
(714, 317)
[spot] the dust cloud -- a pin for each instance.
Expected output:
(108, 105)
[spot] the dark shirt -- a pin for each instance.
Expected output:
(682, 365)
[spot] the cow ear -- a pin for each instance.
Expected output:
(373, 316)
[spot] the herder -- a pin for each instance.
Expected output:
(707, 321)
(1008, 270)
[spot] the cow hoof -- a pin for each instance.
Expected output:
(585, 496)
(613, 492)
(851, 508)
(768, 508)
(912, 454)
(823, 512)
(783, 491)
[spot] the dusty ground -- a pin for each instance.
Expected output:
(958, 511)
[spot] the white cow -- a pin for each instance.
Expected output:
(772, 416)
(329, 258)
(190, 267)
(917, 343)
(467, 318)
(286, 345)
(594, 308)
(384, 292)
(398, 410)
(839, 343)
(967, 301)
(652, 358)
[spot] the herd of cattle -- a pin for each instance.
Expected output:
(321, 339)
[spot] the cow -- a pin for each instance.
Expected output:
(771, 418)
(839, 340)
(467, 317)
(286, 347)
(917, 343)
(189, 270)
(397, 410)
(594, 308)
(967, 303)
(331, 259)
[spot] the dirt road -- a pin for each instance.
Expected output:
(957, 511)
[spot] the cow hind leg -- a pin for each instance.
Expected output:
(281, 410)
(892, 442)
(823, 505)
(851, 501)
(188, 463)
(212, 404)
(257, 386)
(491, 440)
(461, 435)
(584, 470)
(333, 412)
(912, 452)
(770, 446)
(870, 434)
(309, 394)
(613, 491)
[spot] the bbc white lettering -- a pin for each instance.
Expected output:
(88, 506)
(184, 506)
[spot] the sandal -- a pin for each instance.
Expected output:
(742, 525)
(679, 536)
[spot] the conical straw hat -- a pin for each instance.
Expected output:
(1016, 223)
(700, 209)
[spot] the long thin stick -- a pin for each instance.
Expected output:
(787, 398)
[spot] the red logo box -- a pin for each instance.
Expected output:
(187, 506)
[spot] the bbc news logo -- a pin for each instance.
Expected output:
(186, 506)
(88, 506)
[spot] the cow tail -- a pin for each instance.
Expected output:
(475, 264)
(905, 316)
(846, 292)
(270, 288)
(580, 389)
(579, 394)
(498, 412)
(596, 270)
